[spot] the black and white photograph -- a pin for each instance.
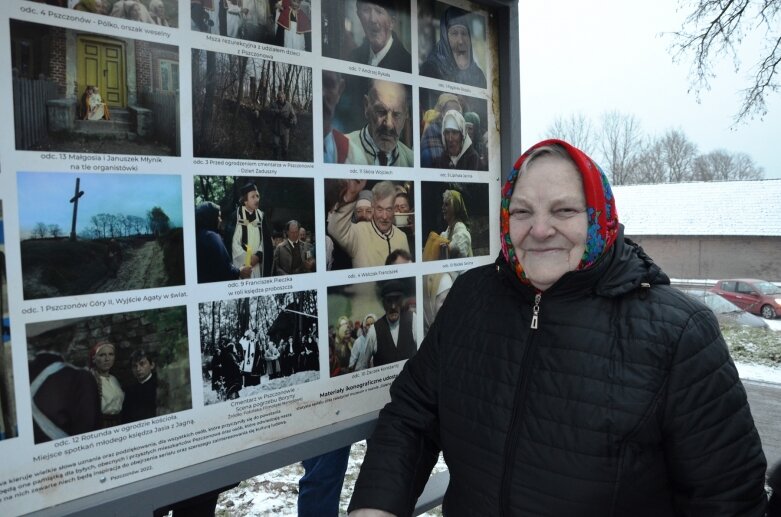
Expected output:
(255, 345)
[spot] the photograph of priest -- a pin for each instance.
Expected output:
(381, 45)
(293, 256)
(252, 244)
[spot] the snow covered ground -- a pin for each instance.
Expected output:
(276, 492)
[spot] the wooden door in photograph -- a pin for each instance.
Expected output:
(101, 63)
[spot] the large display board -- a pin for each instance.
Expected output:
(187, 271)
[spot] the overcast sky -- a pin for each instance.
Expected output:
(45, 197)
(595, 56)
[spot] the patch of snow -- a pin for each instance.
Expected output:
(759, 372)
(774, 324)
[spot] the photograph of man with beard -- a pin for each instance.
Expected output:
(380, 133)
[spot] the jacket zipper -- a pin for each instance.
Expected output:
(536, 310)
(512, 438)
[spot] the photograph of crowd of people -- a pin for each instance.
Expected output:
(251, 108)
(435, 289)
(97, 372)
(76, 91)
(452, 43)
(366, 121)
(285, 23)
(371, 324)
(158, 12)
(251, 227)
(369, 223)
(99, 233)
(455, 220)
(253, 345)
(453, 131)
(8, 428)
(369, 32)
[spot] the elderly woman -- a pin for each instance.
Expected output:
(457, 233)
(452, 59)
(459, 150)
(568, 378)
(102, 357)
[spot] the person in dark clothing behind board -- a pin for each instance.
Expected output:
(65, 398)
(214, 261)
(141, 397)
(568, 378)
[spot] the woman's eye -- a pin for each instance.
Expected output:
(567, 212)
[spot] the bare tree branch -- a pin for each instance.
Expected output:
(715, 28)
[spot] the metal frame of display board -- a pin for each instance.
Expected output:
(142, 497)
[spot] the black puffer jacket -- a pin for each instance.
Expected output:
(623, 402)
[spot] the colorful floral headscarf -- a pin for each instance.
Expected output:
(601, 208)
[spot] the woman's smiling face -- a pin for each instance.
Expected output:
(548, 220)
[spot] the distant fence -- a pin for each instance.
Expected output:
(165, 106)
(30, 120)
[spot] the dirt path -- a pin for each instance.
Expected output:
(141, 268)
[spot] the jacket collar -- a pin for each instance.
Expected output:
(622, 269)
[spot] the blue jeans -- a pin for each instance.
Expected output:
(321, 485)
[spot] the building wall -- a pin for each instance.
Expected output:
(715, 257)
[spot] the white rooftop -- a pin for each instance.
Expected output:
(736, 208)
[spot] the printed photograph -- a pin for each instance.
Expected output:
(452, 44)
(252, 227)
(435, 289)
(251, 108)
(453, 131)
(255, 345)
(103, 371)
(366, 121)
(158, 12)
(8, 427)
(371, 324)
(368, 32)
(99, 233)
(75, 91)
(455, 219)
(369, 223)
(285, 23)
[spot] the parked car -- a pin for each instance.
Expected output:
(726, 312)
(755, 296)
